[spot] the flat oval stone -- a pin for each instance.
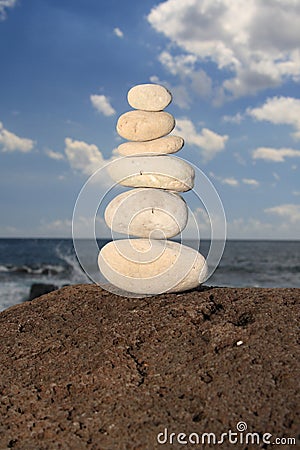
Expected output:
(150, 213)
(143, 266)
(149, 97)
(145, 125)
(168, 144)
(161, 172)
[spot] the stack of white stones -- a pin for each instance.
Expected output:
(153, 210)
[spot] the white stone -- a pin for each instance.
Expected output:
(145, 125)
(149, 97)
(162, 172)
(150, 213)
(145, 266)
(168, 144)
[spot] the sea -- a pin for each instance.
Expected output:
(24, 262)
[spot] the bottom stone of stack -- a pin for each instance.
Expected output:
(150, 267)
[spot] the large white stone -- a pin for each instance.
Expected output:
(168, 144)
(162, 172)
(149, 97)
(150, 213)
(144, 125)
(145, 266)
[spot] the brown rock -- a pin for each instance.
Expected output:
(81, 368)
(38, 289)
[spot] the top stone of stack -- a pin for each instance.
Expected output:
(149, 97)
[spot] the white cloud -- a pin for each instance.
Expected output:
(237, 118)
(54, 155)
(290, 212)
(275, 154)
(255, 41)
(86, 158)
(191, 80)
(118, 32)
(297, 193)
(180, 95)
(250, 228)
(201, 83)
(202, 223)
(85, 226)
(209, 142)
(230, 181)
(258, 228)
(178, 65)
(240, 159)
(102, 105)
(8, 231)
(296, 135)
(45, 228)
(279, 111)
(287, 227)
(250, 182)
(6, 4)
(183, 66)
(58, 228)
(10, 142)
(63, 227)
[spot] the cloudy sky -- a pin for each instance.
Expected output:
(233, 68)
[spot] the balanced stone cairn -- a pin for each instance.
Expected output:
(153, 210)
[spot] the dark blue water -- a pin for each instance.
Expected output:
(244, 263)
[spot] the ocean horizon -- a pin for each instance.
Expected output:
(245, 263)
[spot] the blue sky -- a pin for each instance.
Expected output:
(233, 68)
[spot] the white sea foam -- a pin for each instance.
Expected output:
(13, 293)
(27, 269)
(16, 279)
(77, 275)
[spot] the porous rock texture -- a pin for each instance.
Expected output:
(81, 368)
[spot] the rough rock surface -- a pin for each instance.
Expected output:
(82, 368)
(38, 289)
